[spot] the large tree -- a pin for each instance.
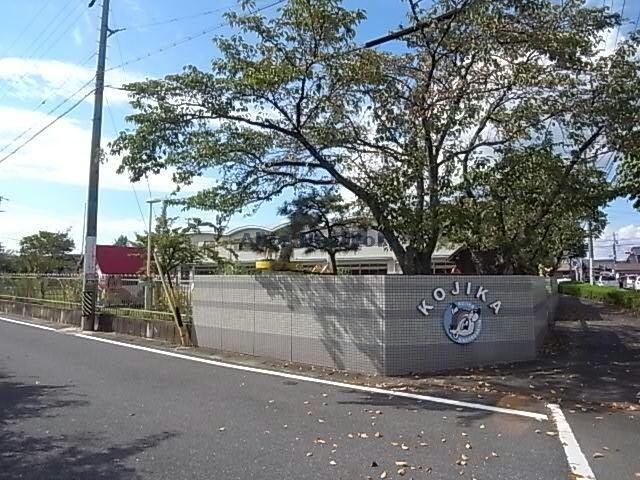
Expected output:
(46, 252)
(290, 101)
(322, 221)
(493, 226)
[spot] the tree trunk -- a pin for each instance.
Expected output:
(417, 262)
(334, 264)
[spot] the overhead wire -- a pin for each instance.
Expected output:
(624, 4)
(50, 112)
(55, 23)
(46, 127)
(186, 39)
(50, 44)
(26, 28)
(177, 19)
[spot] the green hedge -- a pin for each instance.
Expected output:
(620, 297)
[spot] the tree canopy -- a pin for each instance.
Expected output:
(322, 221)
(416, 136)
(46, 252)
(174, 248)
(121, 241)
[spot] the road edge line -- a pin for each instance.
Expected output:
(304, 378)
(300, 378)
(578, 463)
(27, 324)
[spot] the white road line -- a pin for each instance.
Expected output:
(27, 324)
(300, 378)
(303, 378)
(577, 461)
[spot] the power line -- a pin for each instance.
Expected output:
(50, 112)
(53, 43)
(46, 127)
(624, 4)
(186, 39)
(133, 189)
(55, 23)
(177, 19)
(26, 28)
(50, 45)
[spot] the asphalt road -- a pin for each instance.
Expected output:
(77, 409)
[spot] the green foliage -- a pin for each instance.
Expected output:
(46, 252)
(629, 299)
(121, 241)
(173, 246)
(322, 221)
(62, 289)
(8, 261)
(408, 134)
(495, 219)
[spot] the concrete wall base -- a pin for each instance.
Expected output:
(137, 327)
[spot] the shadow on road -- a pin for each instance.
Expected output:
(591, 358)
(27, 452)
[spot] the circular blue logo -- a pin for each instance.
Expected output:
(462, 322)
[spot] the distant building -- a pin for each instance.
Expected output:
(373, 258)
(116, 260)
(118, 269)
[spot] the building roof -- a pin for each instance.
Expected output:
(608, 264)
(116, 260)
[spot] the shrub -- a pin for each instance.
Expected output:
(629, 299)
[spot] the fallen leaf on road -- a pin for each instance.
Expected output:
(320, 420)
(309, 454)
(552, 434)
(482, 427)
(222, 429)
(383, 474)
(468, 446)
(598, 455)
(400, 463)
(401, 471)
(374, 464)
(494, 454)
(404, 447)
(332, 462)
(363, 435)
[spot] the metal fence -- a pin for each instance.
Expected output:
(119, 295)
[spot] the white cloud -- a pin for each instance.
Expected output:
(628, 237)
(19, 221)
(28, 79)
(60, 155)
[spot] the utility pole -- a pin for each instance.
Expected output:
(591, 281)
(615, 252)
(148, 291)
(90, 280)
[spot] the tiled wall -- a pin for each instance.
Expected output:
(368, 324)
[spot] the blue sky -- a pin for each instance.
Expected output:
(46, 49)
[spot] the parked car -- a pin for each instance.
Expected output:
(636, 284)
(630, 281)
